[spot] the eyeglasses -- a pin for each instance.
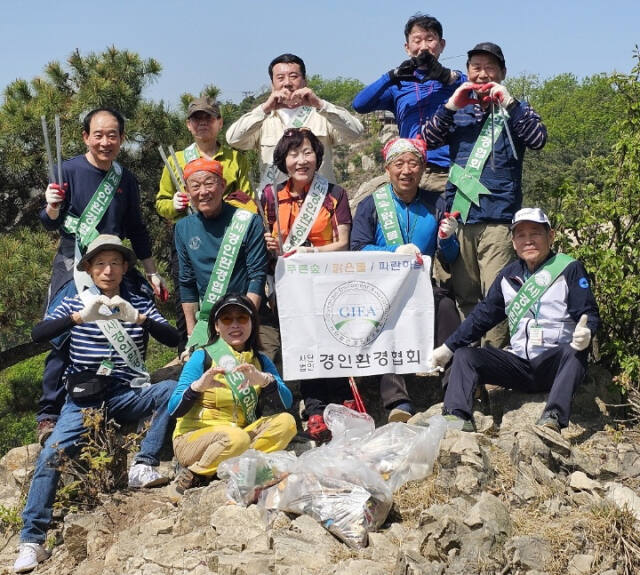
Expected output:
(241, 318)
(291, 131)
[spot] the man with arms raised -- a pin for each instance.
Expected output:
(485, 180)
(415, 90)
(220, 248)
(109, 328)
(98, 196)
(204, 122)
(552, 315)
(292, 104)
(401, 217)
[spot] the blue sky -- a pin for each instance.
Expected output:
(230, 44)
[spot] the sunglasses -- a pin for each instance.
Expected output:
(291, 131)
(242, 319)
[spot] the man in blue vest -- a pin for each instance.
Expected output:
(552, 315)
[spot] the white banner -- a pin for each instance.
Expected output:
(354, 313)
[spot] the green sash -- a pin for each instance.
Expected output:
(467, 179)
(221, 273)
(247, 398)
(533, 289)
(84, 227)
(191, 153)
(387, 216)
(308, 213)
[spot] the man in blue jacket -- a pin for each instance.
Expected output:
(415, 90)
(485, 180)
(552, 315)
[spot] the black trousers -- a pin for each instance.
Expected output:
(558, 370)
(317, 393)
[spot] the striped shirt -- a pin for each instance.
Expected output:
(89, 346)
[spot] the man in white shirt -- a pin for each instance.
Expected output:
(292, 104)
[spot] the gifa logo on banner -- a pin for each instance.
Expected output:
(355, 313)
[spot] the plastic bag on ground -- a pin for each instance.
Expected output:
(346, 497)
(253, 471)
(400, 452)
(347, 425)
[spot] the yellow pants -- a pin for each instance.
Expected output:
(203, 450)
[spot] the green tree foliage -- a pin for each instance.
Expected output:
(598, 213)
(580, 116)
(339, 91)
(114, 78)
(26, 257)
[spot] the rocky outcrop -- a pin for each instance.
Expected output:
(508, 499)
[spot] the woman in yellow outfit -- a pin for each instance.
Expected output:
(225, 392)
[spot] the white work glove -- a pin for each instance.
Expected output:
(581, 335)
(123, 310)
(500, 95)
(55, 194)
(180, 201)
(408, 250)
(91, 310)
(448, 227)
(441, 356)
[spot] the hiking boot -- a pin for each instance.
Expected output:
(318, 430)
(184, 480)
(549, 419)
(143, 475)
(467, 424)
(45, 429)
(400, 413)
(29, 555)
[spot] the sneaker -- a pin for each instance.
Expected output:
(45, 429)
(549, 419)
(467, 424)
(143, 475)
(401, 413)
(184, 480)
(318, 430)
(30, 554)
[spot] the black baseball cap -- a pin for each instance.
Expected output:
(234, 300)
(488, 48)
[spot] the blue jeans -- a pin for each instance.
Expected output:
(123, 404)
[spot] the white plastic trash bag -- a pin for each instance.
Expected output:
(346, 497)
(347, 425)
(248, 474)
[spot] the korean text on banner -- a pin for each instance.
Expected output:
(354, 313)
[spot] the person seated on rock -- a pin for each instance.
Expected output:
(552, 315)
(311, 215)
(224, 394)
(415, 231)
(109, 332)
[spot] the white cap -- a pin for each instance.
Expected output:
(535, 215)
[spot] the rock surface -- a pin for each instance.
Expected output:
(506, 500)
